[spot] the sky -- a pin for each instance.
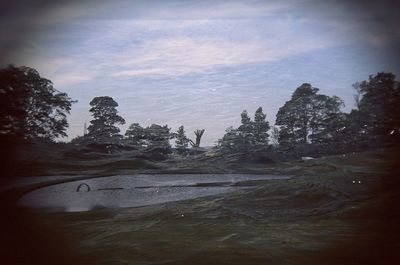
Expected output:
(199, 63)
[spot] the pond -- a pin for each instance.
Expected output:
(134, 190)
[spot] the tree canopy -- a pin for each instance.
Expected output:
(248, 134)
(261, 127)
(30, 107)
(135, 134)
(157, 137)
(102, 128)
(378, 113)
(181, 142)
(306, 116)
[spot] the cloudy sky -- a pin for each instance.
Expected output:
(199, 63)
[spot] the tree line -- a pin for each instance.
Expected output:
(310, 122)
(32, 109)
(103, 129)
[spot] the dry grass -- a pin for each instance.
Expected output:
(318, 217)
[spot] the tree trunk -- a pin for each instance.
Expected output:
(199, 134)
(305, 125)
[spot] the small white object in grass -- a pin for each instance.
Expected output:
(359, 182)
(182, 215)
(354, 181)
(304, 158)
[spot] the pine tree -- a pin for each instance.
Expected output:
(181, 142)
(261, 127)
(102, 128)
(305, 117)
(230, 139)
(379, 107)
(245, 131)
(275, 136)
(135, 134)
(328, 121)
(157, 138)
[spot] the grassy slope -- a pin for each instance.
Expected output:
(317, 217)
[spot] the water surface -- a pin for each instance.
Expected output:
(135, 190)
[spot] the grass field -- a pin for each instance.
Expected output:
(319, 216)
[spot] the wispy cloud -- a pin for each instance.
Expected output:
(197, 63)
(183, 55)
(186, 37)
(134, 48)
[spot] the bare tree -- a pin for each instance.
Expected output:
(199, 134)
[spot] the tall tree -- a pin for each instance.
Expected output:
(275, 136)
(245, 131)
(379, 108)
(135, 134)
(230, 139)
(181, 142)
(102, 128)
(304, 118)
(260, 127)
(30, 107)
(157, 137)
(327, 122)
(295, 116)
(248, 134)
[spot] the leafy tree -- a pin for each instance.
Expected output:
(102, 128)
(230, 139)
(135, 134)
(30, 107)
(305, 117)
(157, 137)
(328, 121)
(245, 131)
(181, 142)
(378, 113)
(275, 136)
(295, 116)
(260, 127)
(249, 134)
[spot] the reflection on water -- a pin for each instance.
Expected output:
(132, 191)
